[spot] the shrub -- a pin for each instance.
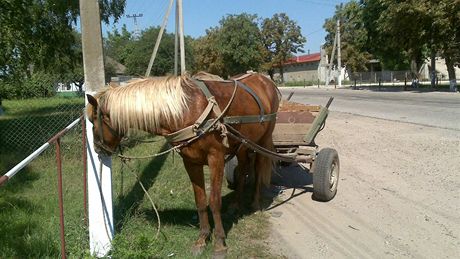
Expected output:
(40, 84)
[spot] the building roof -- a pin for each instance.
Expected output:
(304, 59)
(120, 69)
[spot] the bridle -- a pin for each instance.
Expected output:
(100, 142)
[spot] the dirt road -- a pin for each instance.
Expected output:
(398, 195)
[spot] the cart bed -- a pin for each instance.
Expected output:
(297, 124)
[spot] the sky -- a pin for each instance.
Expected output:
(200, 15)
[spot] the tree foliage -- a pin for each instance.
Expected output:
(37, 36)
(399, 33)
(355, 52)
(231, 48)
(241, 43)
(135, 53)
(282, 38)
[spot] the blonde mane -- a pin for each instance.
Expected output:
(145, 103)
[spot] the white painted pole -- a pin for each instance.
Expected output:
(100, 213)
(100, 210)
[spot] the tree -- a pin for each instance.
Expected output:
(414, 29)
(281, 38)
(233, 47)
(135, 54)
(38, 35)
(446, 33)
(208, 57)
(353, 34)
(240, 43)
(116, 42)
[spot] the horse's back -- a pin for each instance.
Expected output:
(265, 89)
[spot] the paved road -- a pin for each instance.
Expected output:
(436, 109)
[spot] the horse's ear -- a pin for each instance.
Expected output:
(92, 100)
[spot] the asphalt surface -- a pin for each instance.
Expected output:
(434, 109)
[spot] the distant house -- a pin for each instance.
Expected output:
(310, 67)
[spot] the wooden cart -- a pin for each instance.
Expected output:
(296, 128)
(294, 138)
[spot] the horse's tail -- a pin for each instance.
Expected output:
(265, 164)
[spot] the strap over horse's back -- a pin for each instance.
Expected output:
(203, 123)
(201, 83)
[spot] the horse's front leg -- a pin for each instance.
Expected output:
(216, 167)
(195, 172)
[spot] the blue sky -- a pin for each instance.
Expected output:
(203, 14)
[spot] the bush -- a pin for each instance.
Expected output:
(300, 83)
(40, 84)
(7, 90)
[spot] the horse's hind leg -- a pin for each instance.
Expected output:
(195, 172)
(216, 167)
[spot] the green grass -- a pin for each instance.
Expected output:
(29, 212)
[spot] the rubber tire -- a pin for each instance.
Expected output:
(230, 173)
(326, 161)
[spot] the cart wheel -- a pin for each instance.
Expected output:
(230, 174)
(326, 174)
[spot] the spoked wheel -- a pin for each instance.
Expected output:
(326, 170)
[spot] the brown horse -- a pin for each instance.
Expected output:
(167, 105)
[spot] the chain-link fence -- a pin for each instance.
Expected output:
(404, 76)
(27, 128)
(380, 76)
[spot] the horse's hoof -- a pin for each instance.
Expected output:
(198, 249)
(220, 253)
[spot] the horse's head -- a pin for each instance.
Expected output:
(106, 138)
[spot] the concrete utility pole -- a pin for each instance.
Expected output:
(137, 32)
(328, 75)
(339, 55)
(181, 36)
(99, 182)
(176, 43)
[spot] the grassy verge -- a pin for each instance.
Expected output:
(29, 217)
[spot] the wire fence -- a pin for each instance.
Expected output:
(389, 77)
(27, 129)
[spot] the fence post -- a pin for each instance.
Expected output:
(392, 79)
(405, 81)
(85, 172)
(61, 199)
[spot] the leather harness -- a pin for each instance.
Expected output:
(204, 125)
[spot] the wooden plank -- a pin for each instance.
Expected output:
(310, 136)
(290, 133)
(297, 107)
(295, 117)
